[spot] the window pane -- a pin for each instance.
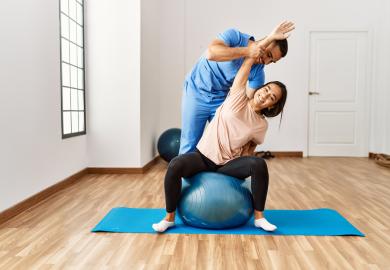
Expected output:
(64, 26)
(73, 77)
(65, 50)
(72, 31)
(65, 75)
(72, 9)
(74, 103)
(66, 122)
(72, 66)
(65, 98)
(73, 54)
(81, 121)
(80, 57)
(75, 122)
(64, 6)
(79, 35)
(81, 100)
(80, 83)
(79, 14)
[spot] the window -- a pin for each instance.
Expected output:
(72, 68)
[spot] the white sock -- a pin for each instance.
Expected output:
(265, 225)
(163, 225)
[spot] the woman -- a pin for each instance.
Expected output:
(231, 137)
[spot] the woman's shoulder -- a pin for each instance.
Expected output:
(236, 99)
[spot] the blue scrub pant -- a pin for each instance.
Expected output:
(197, 107)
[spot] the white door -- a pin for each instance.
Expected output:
(338, 94)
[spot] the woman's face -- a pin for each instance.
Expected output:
(266, 96)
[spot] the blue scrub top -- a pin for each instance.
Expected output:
(215, 78)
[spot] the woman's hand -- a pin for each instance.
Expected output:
(256, 49)
(282, 31)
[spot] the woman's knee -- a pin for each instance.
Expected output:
(259, 165)
(257, 162)
(175, 165)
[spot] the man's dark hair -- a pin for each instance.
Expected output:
(283, 46)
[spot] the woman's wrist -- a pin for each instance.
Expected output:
(249, 60)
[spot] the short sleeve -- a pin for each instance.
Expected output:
(258, 79)
(231, 37)
(236, 100)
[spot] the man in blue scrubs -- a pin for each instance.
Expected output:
(207, 85)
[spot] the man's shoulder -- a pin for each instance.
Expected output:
(236, 31)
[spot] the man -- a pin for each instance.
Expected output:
(208, 84)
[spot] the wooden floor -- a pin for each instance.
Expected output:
(56, 233)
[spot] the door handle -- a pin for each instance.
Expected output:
(314, 93)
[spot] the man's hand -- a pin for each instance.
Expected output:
(255, 50)
(282, 31)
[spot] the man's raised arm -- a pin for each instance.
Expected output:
(219, 51)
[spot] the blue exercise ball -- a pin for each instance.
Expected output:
(215, 201)
(168, 144)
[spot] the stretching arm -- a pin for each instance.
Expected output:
(219, 51)
(239, 83)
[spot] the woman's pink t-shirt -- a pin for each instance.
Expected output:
(235, 130)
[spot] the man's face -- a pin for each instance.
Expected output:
(272, 54)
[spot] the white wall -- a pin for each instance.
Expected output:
(131, 56)
(172, 63)
(150, 77)
(33, 156)
(380, 98)
(123, 80)
(113, 64)
(203, 19)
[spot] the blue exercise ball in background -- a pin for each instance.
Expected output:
(168, 144)
(215, 201)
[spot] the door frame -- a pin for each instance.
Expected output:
(370, 76)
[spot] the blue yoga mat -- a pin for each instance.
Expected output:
(290, 222)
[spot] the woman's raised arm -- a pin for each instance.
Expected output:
(239, 83)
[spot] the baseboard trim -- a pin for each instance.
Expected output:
(151, 163)
(107, 170)
(40, 196)
(283, 154)
(288, 154)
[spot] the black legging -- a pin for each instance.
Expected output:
(189, 164)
